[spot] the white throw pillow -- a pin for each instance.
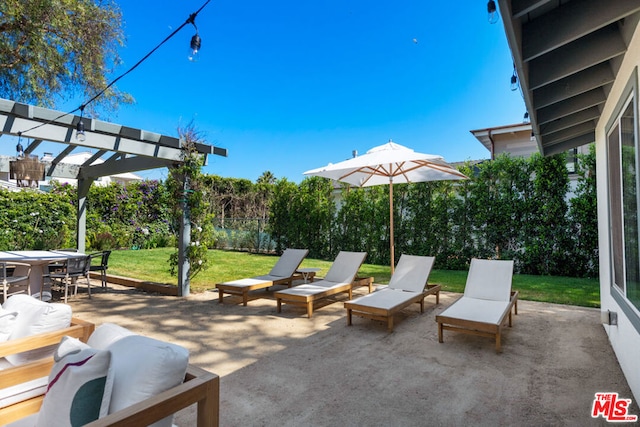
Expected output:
(106, 334)
(35, 317)
(7, 323)
(144, 367)
(79, 388)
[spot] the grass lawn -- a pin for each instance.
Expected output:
(153, 265)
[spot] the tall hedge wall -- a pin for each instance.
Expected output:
(510, 208)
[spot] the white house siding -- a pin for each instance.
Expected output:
(516, 144)
(624, 338)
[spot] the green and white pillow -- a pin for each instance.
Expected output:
(80, 384)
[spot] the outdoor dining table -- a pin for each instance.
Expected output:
(38, 261)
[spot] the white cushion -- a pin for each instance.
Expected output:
(7, 323)
(144, 367)
(411, 273)
(79, 388)
(385, 299)
(310, 289)
(477, 310)
(22, 391)
(106, 334)
(345, 267)
(35, 317)
(252, 281)
(489, 279)
(289, 261)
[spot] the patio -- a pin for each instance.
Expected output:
(287, 370)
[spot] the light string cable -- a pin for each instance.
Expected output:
(190, 20)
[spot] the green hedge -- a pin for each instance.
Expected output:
(510, 208)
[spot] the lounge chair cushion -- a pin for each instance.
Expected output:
(7, 323)
(385, 298)
(314, 288)
(477, 310)
(288, 262)
(491, 280)
(252, 281)
(342, 270)
(144, 367)
(79, 387)
(35, 317)
(411, 273)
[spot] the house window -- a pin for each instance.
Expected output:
(623, 160)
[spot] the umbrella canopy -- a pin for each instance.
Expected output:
(390, 163)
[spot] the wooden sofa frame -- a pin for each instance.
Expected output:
(200, 386)
(13, 376)
(384, 314)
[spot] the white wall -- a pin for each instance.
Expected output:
(624, 338)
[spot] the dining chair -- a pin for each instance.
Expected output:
(72, 270)
(58, 265)
(14, 275)
(102, 267)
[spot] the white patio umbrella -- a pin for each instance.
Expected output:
(390, 163)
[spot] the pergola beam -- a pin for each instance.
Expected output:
(130, 164)
(132, 150)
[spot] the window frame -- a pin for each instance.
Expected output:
(628, 96)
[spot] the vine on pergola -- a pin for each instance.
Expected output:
(185, 185)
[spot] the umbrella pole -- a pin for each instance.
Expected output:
(391, 238)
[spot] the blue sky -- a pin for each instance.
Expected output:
(288, 86)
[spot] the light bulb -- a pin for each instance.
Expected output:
(194, 48)
(493, 12)
(80, 135)
(514, 82)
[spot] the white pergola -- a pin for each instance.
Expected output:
(123, 149)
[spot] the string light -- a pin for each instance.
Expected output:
(80, 130)
(196, 42)
(80, 135)
(514, 79)
(492, 11)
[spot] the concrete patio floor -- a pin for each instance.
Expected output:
(282, 369)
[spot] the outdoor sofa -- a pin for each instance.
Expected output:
(487, 303)
(145, 381)
(283, 273)
(30, 329)
(408, 285)
(339, 279)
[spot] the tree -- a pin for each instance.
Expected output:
(59, 49)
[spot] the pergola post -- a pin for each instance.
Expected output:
(81, 223)
(184, 242)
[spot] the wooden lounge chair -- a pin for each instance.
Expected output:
(407, 286)
(339, 278)
(487, 302)
(283, 273)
